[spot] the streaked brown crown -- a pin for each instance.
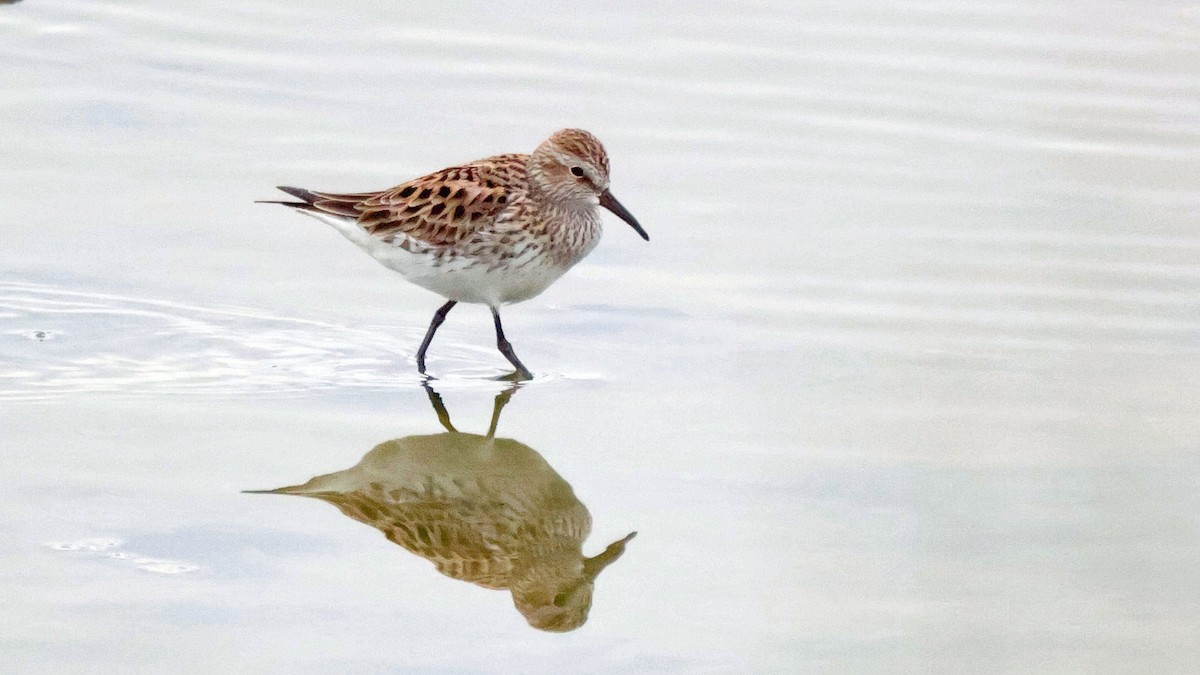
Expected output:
(581, 144)
(555, 165)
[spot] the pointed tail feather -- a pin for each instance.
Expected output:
(320, 202)
(296, 205)
(301, 490)
(299, 193)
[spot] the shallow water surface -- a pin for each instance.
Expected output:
(905, 379)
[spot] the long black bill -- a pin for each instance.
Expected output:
(610, 202)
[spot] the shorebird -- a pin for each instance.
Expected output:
(495, 231)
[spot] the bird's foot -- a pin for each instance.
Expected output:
(521, 375)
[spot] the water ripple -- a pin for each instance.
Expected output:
(58, 342)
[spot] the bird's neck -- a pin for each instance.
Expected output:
(572, 229)
(572, 226)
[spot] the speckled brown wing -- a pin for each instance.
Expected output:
(460, 538)
(438, 210)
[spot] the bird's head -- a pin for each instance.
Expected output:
(571, 169)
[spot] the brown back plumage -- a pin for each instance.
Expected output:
(440, 209)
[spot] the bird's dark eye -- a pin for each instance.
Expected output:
(577, 171)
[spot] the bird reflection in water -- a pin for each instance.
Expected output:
(482, 509)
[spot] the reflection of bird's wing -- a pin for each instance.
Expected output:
(440, 532)
(475, 536)
(459, 540)
(470, 504)
(441, 209)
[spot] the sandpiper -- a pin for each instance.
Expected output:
(495, 231)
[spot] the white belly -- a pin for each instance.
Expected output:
(461, 278)
(468, 280)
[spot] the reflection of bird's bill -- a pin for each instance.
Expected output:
(592, 567)
(608, 201)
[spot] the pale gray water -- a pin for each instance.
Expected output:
(905, 380)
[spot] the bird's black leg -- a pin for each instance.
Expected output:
(438, 317)
(507, 350)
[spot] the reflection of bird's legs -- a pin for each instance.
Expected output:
(502, 400)
(439, 407)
